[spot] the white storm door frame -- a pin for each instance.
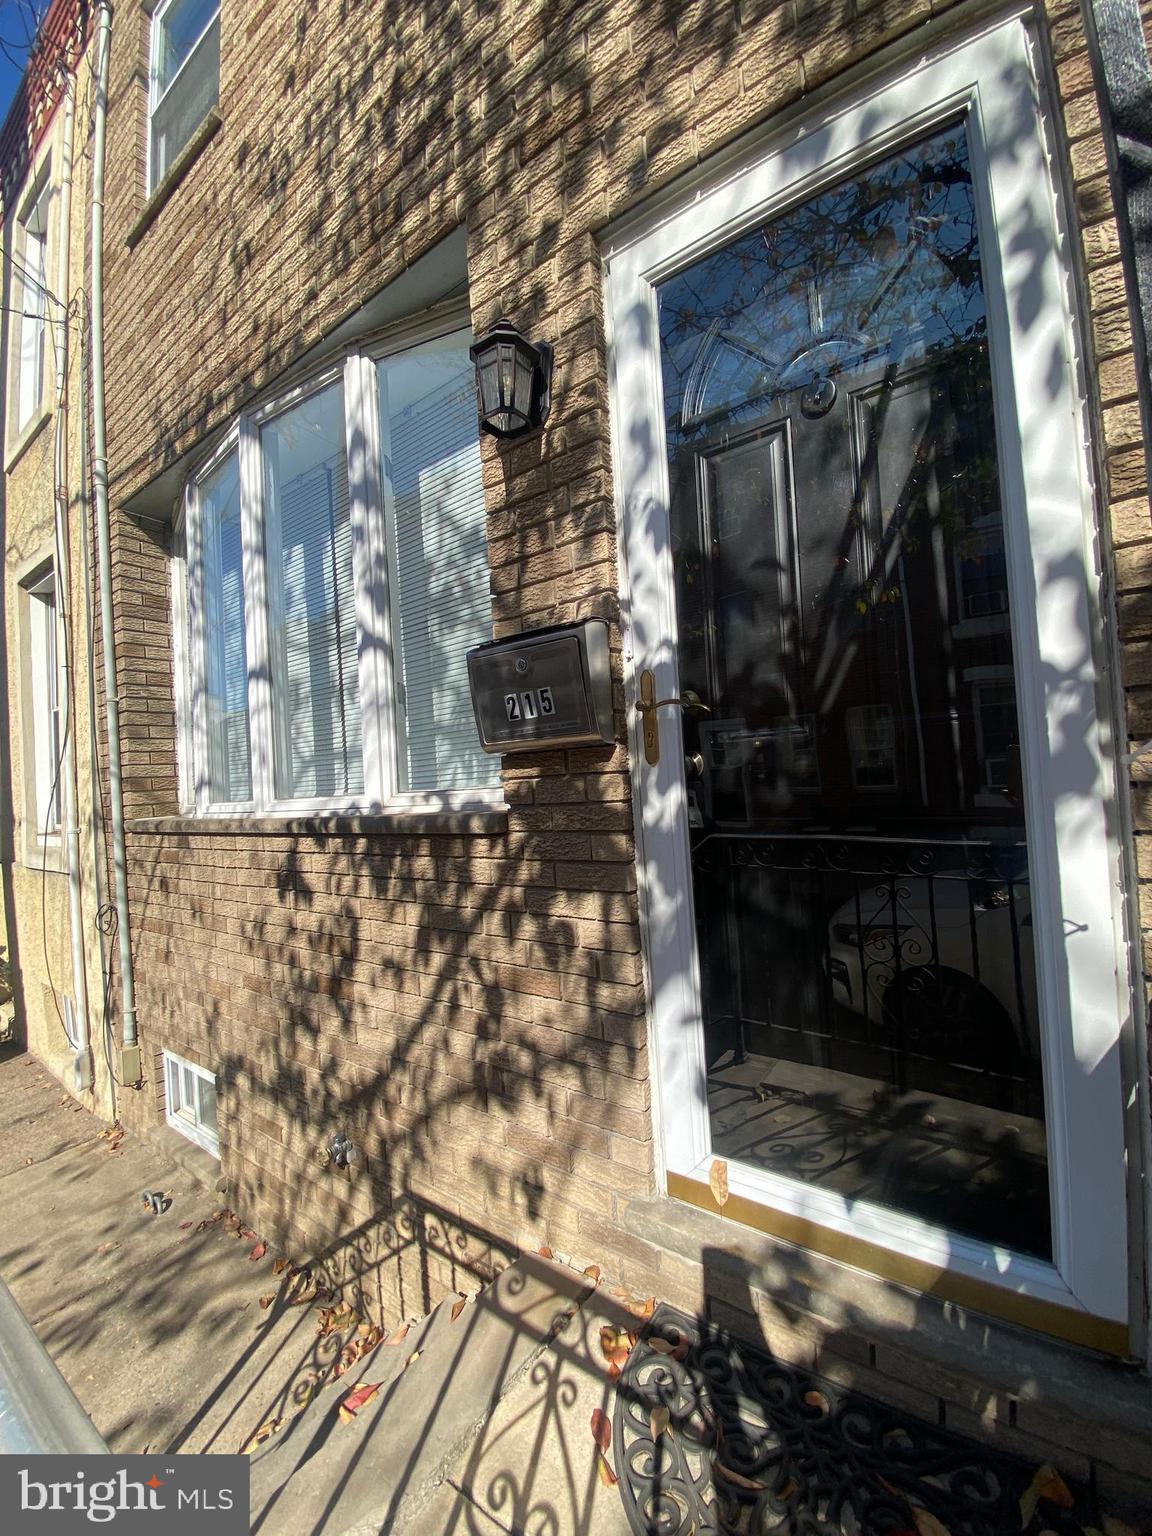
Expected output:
(990, 81)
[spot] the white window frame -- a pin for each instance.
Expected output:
(155, 96)
(44, 780)
(34, 298)
(186, 1124)
(374, 572)
(991, 80)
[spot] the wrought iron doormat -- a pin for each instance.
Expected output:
(751, 1446)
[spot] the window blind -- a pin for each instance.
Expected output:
(316, 690)
(229, 763)
(441, 554)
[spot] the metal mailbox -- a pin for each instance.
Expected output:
(544, 688)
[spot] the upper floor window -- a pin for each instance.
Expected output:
(336, 576)
(43, 706)
(184, 78)
(32, 312)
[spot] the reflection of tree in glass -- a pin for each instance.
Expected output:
(885, 264)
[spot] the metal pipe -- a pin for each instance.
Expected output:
(131, 1070)
(39, 1413)
(82, 1044)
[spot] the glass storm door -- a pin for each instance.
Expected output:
(853, 824)
(859, 844)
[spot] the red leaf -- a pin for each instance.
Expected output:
(601, 1429)
(458, 1307)
(357, 1399)
(184, 1225)
(545, 1253)
(258, 1252)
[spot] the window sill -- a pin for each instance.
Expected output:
(27, 436)
(320, 824)
(179, 168)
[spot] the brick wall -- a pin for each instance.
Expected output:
(467, 1000)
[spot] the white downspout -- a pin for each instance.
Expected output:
(82, 1044)
(130, 1056)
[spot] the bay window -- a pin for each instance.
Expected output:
(335, 576)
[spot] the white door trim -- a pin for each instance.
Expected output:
(1085, 996)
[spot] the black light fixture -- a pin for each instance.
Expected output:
(513, 381)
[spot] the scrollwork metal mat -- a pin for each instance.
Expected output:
(714, 1437)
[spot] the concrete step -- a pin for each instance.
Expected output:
(381, 1472)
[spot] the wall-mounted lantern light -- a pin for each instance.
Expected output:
(513, 381)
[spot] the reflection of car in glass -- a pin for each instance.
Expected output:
(947, 961)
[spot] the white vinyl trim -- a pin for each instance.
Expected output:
(180, 1114)
(990, 80)
(375, 586)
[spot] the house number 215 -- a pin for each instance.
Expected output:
(532, 704)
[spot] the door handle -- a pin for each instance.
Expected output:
(689, 701)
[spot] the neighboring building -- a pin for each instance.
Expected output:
(46, 786)
(817, 999)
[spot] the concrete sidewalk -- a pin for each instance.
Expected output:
(157, 1327)
(482, 1421)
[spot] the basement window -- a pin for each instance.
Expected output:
(190, 1107)
(184, 78)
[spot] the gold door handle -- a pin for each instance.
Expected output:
(689, 701)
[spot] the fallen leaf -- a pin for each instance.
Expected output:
(642, 1309)
(927, 1523)
(184, 1225)
(816, 1399)
(545, 1253)
(265, 1432)
(601, 1429)
(27, 1162)
(592, 1273)
(414, 1356)
(718, 1181)
(401, 1333)
(279, 1266)
(605, 1472)
(247, 1234)
(107, 1247)
(614, 1346)
(659, 1420)
(458, 1307)
(258, 1252)
(266, 1302)
(737, 1478)
(356, 1400)
(1046, 1484)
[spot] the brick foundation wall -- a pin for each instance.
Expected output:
(467, 1001)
